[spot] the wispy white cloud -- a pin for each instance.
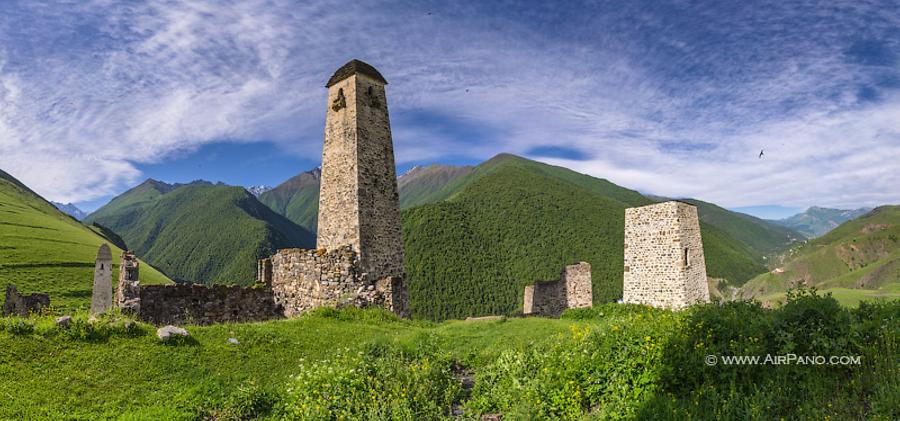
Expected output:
(674, 99)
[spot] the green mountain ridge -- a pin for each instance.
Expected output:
(297, 199)
(512, 222)
(43, 249)
(458, 252)
(200, 232)
(423, 185)
(817, 221)
(860, 259)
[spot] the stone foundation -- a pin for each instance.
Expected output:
(302, 280)
(203, 305)
(572, 290)
(23, 305)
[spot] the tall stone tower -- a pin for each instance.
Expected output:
(101, 298)
(664, 264)
(359, 204)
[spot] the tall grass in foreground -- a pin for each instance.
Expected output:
(650, 364)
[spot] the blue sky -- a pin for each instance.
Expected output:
(670, 98)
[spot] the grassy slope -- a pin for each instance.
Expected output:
(632, 361)
(138, 377)
(520, 221)
(201, 232)
(858, 260)
(45, 250)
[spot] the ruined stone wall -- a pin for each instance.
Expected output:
(128, 292)
(200, 304)
(359, 202)
(23, 305)
(306, 279)
(572, 290)
(664, 263)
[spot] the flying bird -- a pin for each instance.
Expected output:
(760, 153)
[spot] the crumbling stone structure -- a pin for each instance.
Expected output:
(360, 246)
(23, 305)
(306, 279)
(186, 303)
(573, 289)
(664, 263)
(128, 293)
(101, 297)
(200, 304)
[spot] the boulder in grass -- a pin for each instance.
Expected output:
(234, 341)
(167, 333)
(64, 321)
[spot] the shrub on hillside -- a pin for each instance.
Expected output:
(378, 382)
(646, 363)
(610, 369)
(81, 327)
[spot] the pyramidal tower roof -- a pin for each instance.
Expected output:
(353, 67)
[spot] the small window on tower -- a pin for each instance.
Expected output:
(686, 258)
(339, 102)
(101, 266)
(370, 91)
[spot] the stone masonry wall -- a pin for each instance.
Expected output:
(128, 293)
(306, 279)
(664, 262)
(23, 305)
(359, 202)
(200, 304)
(572, 290)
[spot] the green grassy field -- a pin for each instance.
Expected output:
(136, 377)
(608, 362)
(44, 250)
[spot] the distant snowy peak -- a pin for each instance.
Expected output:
(412, 171)
(70, 209)
(259, 189)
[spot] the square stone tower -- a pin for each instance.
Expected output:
(359, 204)
(664, 264)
